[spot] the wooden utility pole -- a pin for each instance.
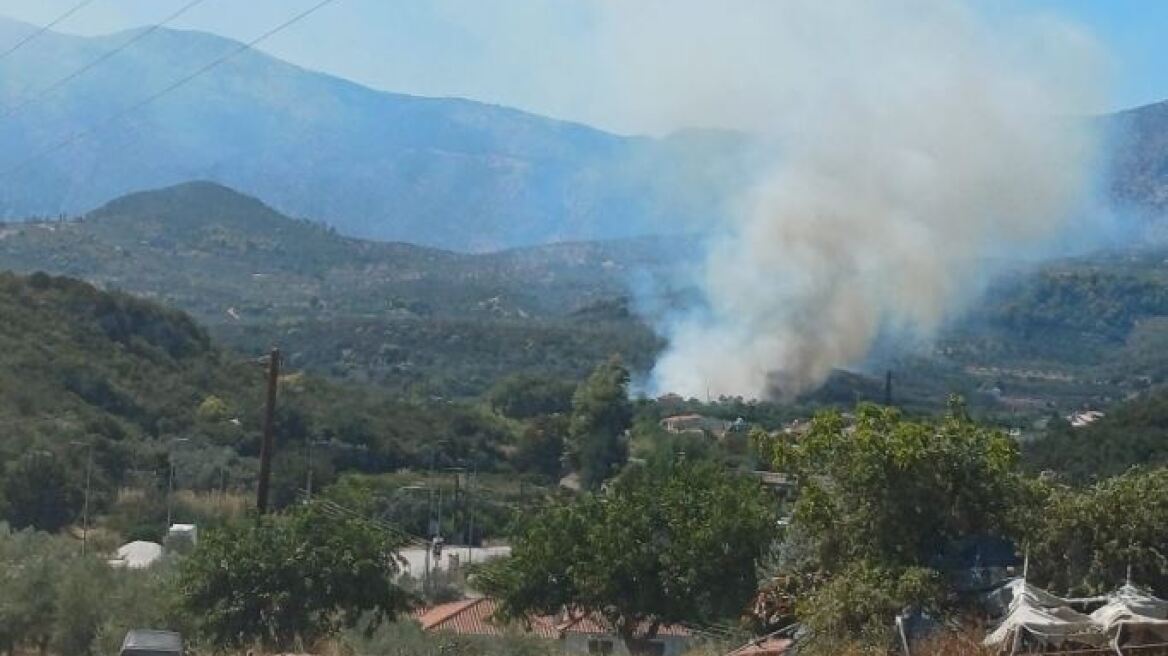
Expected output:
(268, 445)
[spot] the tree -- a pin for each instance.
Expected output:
(1084, 540)
(524, 396)
(658, 547)
(881, 500)
(541, 446)
(601, 413)
(290, 579)
(38, 492)
(897, 492)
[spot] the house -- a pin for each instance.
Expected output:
(579, 633)
(590, 634)
(475, 617)
(770, 645)
(694, 423)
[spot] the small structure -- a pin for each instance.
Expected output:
(694, 423)
(150, 642)
(1124, 621)
(182, 537)
(1082, 418)
(138, 554)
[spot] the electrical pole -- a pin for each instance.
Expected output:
(170, 482)
(268, 445)
(308, 466)
(888, 387)
(470, 503)
(85, 507)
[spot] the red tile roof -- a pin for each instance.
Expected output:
(593, 623)
(474, 617)
(768, 646)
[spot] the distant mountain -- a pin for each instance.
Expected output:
(227, 257)
(394, 312)
(1139, 173)
(438, 171)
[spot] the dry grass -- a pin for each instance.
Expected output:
(219, 504)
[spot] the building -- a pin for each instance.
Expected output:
(590, 634)
(475, 617)
(579, 633)
(770, 645)
(694, 423)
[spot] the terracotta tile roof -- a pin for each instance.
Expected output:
(474, 617)
(593, 623)
(768, 646)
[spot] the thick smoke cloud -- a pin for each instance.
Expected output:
(916, 140)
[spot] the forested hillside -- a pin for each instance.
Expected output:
(142, 384)
(405, 315)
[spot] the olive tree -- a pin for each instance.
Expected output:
(290, 580)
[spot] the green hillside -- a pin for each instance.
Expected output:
(408, 316)
(146, 386)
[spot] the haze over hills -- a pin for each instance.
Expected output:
(438, 171)
(416, 318)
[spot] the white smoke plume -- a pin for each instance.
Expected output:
(916, 139)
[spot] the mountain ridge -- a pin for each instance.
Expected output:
(439, 171)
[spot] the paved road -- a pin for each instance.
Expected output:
(416, 557)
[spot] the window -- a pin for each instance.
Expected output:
(596, 646)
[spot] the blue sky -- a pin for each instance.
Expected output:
(528, 53)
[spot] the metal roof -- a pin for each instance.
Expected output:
(153, 641)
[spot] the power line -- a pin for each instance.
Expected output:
(141, 34)
(17, 46)
(77, 136)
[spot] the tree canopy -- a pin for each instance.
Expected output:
(601, 413)
(291, 579)
(658, 547)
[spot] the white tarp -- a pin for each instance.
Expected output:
(1032, 624)
(1132, 616)
(1037, 617)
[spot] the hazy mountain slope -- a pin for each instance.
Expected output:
(228, 257)
(1140, 157)
(445, 172)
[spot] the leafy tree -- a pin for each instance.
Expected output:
(894, 491)
(601, 413)
(658, 547)
(39, 492)
(291, 579)
(881, 499)
(541, 446)
(523, 396)
(1084, 540)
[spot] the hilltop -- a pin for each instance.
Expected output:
(391, 312)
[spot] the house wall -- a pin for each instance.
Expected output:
(577, 643)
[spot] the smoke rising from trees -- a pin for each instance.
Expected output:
(916, 140)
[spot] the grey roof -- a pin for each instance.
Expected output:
(150, 640)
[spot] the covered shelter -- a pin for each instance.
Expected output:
(1133, 618)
